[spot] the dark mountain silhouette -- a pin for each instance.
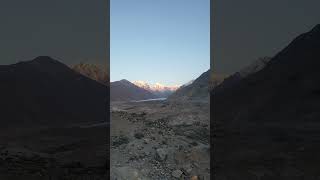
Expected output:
(124, 90)
(288, 83)
(216, 79)
(235, 78)
(271, 111)
(46, 91)
(198, 90)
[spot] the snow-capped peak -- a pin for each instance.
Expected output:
(142, 84)
(155, 87)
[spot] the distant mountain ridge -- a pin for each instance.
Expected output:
(285, 90)
(124, 90)
(188, 83)
(157, 89)
(233, 79)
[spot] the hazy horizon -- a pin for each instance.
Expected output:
(160, 41)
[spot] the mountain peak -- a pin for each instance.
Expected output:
(40, 60)
(315, 31)
(158, 85)
(140, 81)
(47, 85)
(43, 59)
(316, 28)
(155, 87)
(125, 81)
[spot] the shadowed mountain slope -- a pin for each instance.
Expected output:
(124, 90)
(45, 91)
(198, 90)
(267, 116)
(287, 89)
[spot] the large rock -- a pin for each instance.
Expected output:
(161, 154)
(177, 173)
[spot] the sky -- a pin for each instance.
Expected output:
(245, 30)
(71, 31)
(164, 41)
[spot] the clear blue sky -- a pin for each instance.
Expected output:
(166, 41)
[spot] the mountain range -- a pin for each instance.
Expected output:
(45, 91)
(278, 106)
(288, 80)
(125, 90)
(160, 90)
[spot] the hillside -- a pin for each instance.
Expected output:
(197, 90)
(272, 114)
(46, 91)
(92, 71)
(124, 90)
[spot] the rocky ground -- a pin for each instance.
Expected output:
(61, 153)
(268, 153)
(160, 140)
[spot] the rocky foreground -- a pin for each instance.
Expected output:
(62, 153)
(160, 140)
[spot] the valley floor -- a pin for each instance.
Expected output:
(160, 140)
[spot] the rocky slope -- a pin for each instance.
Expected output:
(46, 91)
(267, 122)
(198, 90)
(124, 90)
(233, 79)
(92, 71)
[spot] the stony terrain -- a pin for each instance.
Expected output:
(160, 140)
(77, 152)
(52, 122)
